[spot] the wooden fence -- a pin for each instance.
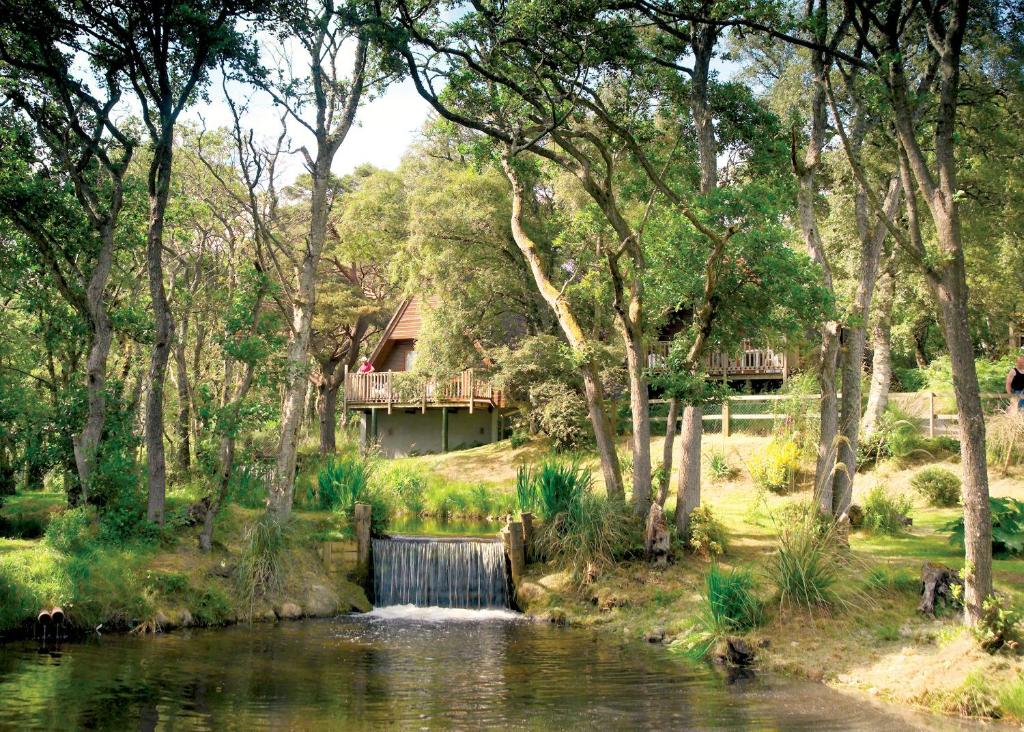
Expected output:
(934, 412)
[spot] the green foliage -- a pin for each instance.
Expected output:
(896, 435)
(248, 487)
(938, 375)
(345, 481)
(728, 605)
(999, 626)
(551, 488)
(410, 488)
(1007, 527)
(939, 486)
(261, 560)
(805, 568)
(72, 531)
(588, 535)
(560, 414)
(882, 579)
(719, 466)
(885, 514)
(707, 536)
(775, 468)
(518, 439)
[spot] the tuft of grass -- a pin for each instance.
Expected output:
(1011, 699)
(718, 466)
(728, 605)
(805, 567)
(260, 563)
(552, 488)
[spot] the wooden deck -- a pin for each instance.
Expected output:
(403, 390)
(749, 362)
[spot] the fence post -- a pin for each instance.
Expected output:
(725, 417)
(516, 554)
(931, 414)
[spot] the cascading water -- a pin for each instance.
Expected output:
(455, 573)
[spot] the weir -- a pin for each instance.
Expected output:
(440, 572)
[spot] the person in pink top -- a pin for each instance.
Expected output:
(365, 367)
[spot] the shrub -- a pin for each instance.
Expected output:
(551, 488)
(410, 488)
(999, 626)
(248, 486)
(884, 514)
(588, 535)
(560, 413)
(896, 435)
(341, 483)
(344, 482)
(1007, 527)
(719, 466)
(73, 530)
(518, 439)
(775, 468)
(940, 487)
(707, 536)
(727, 605)
(805, 568)
(259, 566)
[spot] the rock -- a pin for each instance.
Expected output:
(321, 602)
(222, 569)
(656, 635)
(734, 651)
(605, 599)
(163, 621)
(288, 611)
(937, 583)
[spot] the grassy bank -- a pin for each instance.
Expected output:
(163, 582)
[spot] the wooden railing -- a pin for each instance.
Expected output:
(748, 362)
(401, 388)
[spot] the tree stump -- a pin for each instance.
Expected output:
(656, 540)
(937, 583)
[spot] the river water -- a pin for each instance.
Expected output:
(404, 669)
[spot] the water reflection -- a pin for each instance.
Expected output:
(400, 672)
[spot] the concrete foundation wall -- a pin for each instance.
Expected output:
(405, 432)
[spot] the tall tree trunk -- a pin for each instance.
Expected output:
(183, 457)
(851, 355)
(688, 494)
(86, 443)
(704, 39)
(666, 454)
(640, 408)
(159, 191)
(570, 326)
(296, 379)
(829, 417)
(881, 360)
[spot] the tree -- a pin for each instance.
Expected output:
(84, 147)
(324, 104)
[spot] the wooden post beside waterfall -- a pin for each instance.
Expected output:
(516, 555)
(363, 512)
(527, 519)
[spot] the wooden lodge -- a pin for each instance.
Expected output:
(408, 414)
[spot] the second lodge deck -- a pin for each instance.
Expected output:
(404, 390)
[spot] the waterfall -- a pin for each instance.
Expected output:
(429, 572)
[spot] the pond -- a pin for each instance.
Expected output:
(400, 668)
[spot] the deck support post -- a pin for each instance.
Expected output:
(444, 429)
(373, 425)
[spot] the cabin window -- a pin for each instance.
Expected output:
(410, 360)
